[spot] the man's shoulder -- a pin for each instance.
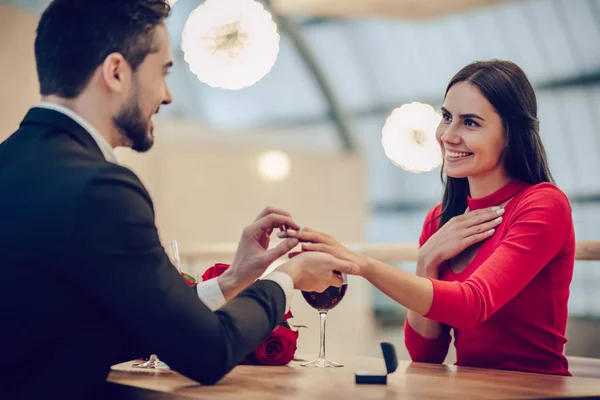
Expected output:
(48, 160)
(78, 171)
(113, 175)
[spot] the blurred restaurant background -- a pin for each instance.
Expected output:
(289, 105)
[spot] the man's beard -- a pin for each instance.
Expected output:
(133, 126)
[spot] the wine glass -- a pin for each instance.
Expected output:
(323, 302)
(175, 251)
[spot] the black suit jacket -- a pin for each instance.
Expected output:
(85, 282)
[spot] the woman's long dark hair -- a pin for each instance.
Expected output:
(506, 87)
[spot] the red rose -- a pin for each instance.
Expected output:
(214, 271)
(278, 349)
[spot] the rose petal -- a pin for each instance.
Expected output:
(278, 349)
(214, 271)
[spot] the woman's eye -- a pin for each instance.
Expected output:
(470, 123)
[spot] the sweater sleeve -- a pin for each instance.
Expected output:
(419, 348)
(422, 349)
(539, 228)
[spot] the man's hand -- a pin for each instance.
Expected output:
(253, 256)
(315, 271)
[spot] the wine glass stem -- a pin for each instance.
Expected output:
(323, 315)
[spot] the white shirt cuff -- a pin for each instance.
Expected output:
(286, 283)
(211, 294)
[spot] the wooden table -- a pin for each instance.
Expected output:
(410, 381)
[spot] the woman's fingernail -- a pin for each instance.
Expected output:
(291, 232)
(495, 208)
(500, 211)
(281, 235)
(491, 231)
(498, 220)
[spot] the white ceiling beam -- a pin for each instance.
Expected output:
(400, 9)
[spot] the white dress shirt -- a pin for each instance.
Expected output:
(209, 291)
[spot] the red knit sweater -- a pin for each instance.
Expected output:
(508, 307)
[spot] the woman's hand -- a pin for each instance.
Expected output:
(315, 271)
(313, 240)
(455, 236)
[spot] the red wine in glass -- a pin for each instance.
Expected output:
(324, 302)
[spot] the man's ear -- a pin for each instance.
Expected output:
(116, 73)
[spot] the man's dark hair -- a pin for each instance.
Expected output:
(75, 36)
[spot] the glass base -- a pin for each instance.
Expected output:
(152, 363)
(322, 363)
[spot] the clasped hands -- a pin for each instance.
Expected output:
(314, 268)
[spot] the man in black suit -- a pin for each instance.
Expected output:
(85, 282)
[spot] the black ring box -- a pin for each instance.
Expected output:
(379, 377)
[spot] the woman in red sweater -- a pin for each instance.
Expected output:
(496, 256)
